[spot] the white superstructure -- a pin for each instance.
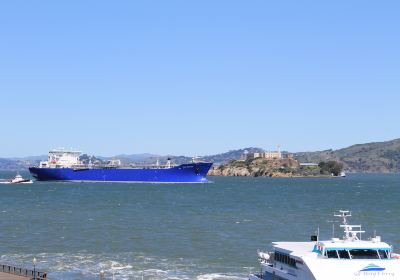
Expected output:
(61, 158)
(348, 258)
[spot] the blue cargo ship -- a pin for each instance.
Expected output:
(64, 165)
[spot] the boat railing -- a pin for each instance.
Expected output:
(32, 274)
(133, 166)
(111, 166)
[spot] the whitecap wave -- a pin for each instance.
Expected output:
(122, 266)
(218, 276)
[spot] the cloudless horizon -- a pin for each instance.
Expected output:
(197, 77)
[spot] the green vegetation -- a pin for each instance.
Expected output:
(370, 157)
(330, 167)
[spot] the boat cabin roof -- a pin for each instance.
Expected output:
(350, 247)
(359, 244)
(300, 249)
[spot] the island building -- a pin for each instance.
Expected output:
(309, 164)
(266, 154)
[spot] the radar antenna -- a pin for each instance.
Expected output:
(350, 231)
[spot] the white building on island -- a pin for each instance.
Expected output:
(267, 154)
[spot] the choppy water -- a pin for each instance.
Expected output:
(203, 232)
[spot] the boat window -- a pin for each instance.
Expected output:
(364, 254)
(383, 254)
(343, 254)
(284, 258)
(332, 254)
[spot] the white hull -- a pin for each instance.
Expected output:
(333, 270)
(350, 258)
(25, 182)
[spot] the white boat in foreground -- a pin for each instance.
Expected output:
(349, 258)
(18, 179)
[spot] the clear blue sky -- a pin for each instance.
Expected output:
(197, 77)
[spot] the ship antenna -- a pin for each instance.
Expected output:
(350, 233)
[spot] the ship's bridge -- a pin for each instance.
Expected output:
(352, 246)
(61, 158)
(341, 249)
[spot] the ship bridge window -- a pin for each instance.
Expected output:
(383, 254)
(364, 254)
(357, 254)
(343, 254)
(332, 254)
(284, 258)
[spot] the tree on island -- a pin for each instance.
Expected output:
(331, 167)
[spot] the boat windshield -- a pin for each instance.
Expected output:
(343, 254)
(384, 254)
(364, 254)
(332, 254)
(358, 254)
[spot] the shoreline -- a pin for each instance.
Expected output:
(295, 176)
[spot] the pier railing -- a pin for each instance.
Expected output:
(38, 275)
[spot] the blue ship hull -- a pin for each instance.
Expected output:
(185, 173)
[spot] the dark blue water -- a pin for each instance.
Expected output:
(209, 231)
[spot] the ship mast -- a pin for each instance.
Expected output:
(350, 231)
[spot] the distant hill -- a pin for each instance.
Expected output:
(231, 155)
(30, 158)
(216, 159)
(371, 157)
(136, 156)
(16, 164)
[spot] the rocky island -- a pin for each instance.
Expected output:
(284, 167)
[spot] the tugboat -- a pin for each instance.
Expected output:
(18, 179)
(349, 258)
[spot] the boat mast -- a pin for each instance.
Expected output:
(350, 234)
